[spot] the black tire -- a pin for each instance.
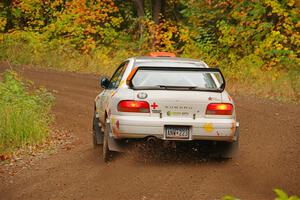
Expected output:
(105, 150)
(97, 133)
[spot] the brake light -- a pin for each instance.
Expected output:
(219, 109)
(162, 54)
(133, 106)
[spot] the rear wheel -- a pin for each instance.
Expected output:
(106, 152)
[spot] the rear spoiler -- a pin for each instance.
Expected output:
(213, 70)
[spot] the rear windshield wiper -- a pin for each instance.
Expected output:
(164, 87)
(177, 87)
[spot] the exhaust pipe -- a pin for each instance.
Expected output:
(150, 142)
(151, 139)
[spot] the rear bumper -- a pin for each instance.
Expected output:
(201, 129)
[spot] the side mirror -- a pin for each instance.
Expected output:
(104, 82)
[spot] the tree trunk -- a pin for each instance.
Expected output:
(163, 8)
(139, 5)
(156, 8)
(9, 17)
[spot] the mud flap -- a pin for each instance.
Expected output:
(99, 138)
(97, 132)
(237, 131)
(228, 150)
(115, 144)
(233, 150)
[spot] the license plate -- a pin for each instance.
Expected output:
(179, 132)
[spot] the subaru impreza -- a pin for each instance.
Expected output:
(167, 98)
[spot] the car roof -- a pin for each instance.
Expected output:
(168, 62)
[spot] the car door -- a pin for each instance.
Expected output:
(113, 86)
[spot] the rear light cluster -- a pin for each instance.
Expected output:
(219, 109)
(143, 107)
(134, 106)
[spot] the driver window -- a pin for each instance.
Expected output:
(116, 78)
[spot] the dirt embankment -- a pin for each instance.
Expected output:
(269, 157)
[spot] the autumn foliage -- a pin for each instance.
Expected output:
(252, 41)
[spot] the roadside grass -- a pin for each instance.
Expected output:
(282, 86)
(24, 113)
(244, 76)
(33, 49)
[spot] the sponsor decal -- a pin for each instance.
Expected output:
(179, 107)
(156, 111)
(154, 106)
(171, 113)
(208, 127)
(113, 121)
(118, 124)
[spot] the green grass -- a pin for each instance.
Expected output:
(24, 116)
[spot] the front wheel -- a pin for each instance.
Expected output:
(106, 152)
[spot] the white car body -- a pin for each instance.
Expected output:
(167, 107)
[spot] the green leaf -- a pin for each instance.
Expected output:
(281, 195)
(228, 197)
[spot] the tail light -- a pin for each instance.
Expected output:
(219, 109)
(134, 106)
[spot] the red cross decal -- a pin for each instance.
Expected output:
(154, 105)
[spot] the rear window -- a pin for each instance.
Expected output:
(176, 79)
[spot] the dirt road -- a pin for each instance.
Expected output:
(269, 157)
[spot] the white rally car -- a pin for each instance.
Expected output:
(168, 98)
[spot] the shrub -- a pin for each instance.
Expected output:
(281, 195)
(31, 48)
(25, 116)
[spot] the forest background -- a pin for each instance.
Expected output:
(254, 42)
